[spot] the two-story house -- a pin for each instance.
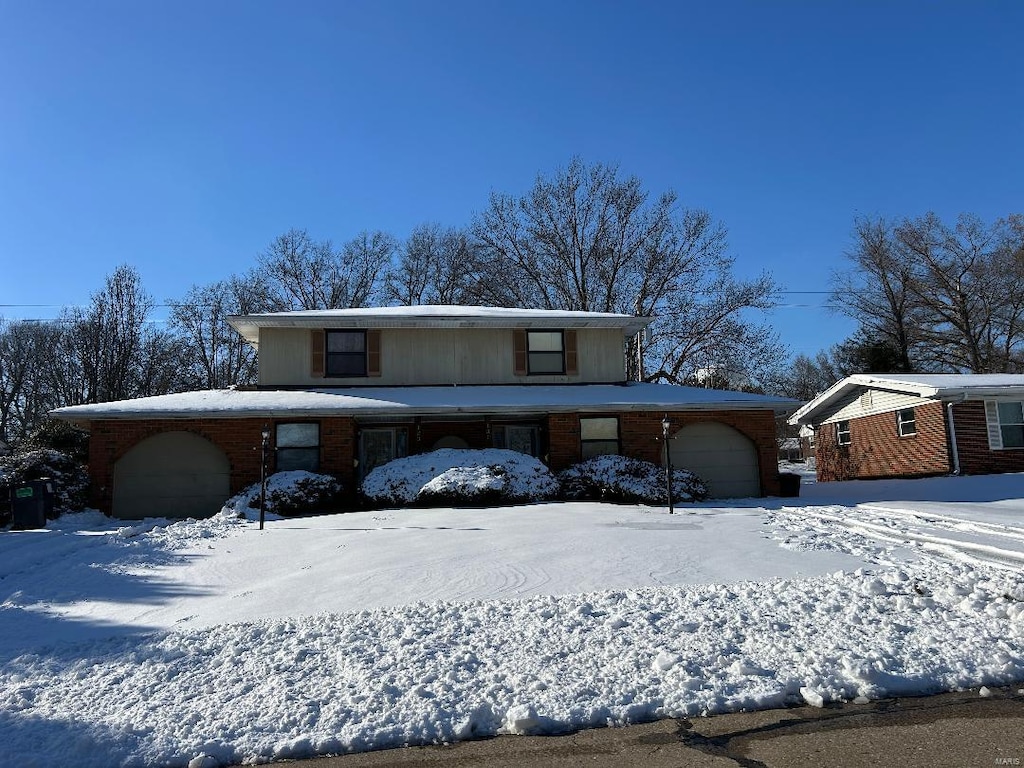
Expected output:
(344, 391)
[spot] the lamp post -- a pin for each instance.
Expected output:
(263, 473)
(665, 424)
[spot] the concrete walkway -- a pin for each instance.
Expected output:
(954, 729)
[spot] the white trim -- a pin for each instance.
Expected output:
(995, 434)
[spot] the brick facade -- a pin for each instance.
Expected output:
(876, 449)
(240, 439)
(972, 443)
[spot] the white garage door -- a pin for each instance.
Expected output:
(173, 474)
(724, 458)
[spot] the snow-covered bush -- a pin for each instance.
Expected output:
(288, 493)
(455, 476)
(618, 478)
(70, 478)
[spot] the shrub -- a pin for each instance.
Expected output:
(59, 436)
(457, 477)
(621, 479)
(288, 493)
(70, 478)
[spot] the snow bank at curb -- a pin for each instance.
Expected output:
(446, 671)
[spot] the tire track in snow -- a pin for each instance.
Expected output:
(878, 528)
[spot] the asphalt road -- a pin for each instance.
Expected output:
(954, 729)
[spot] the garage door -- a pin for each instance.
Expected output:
(724, 458)
(173, 474)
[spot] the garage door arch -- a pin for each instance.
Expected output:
(721, 455)
(171, 474)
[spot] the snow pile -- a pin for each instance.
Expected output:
(460, 476)
(288, 493)
(442, 672)
(622, 479)
(197, 642)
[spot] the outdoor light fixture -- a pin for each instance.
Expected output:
(263, 474)
(665, 424)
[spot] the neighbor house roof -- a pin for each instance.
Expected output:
(435, 316)
(414, 401)
(936, 386)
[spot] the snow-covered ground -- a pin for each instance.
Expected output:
(211, 642)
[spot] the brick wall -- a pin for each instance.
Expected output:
(240, 440)
(876, 450)
(640, 434)
(972, 443)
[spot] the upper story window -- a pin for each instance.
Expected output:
(906, 423)
(346, 353)
(842, 432)
(545, 352)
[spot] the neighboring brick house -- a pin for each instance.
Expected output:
(907, 425)
(343, 391)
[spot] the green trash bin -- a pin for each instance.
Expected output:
(31, 503)
(789, 484)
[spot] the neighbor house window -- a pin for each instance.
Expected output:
(843, 433)
(545, 352)
(599, 436)
(298, 447)
(346, 353)
(906, 424)
(1011, 424)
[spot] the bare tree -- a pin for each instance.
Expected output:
(970, 287)
(25, 398)
(588, 239)
(878, 291)
(435, 266)
(306, 274)
(217, 356)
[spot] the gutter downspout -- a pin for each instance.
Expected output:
(954, 453)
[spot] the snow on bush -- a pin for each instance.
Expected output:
(452, 476)
(288, 493)
(618, 478)
(70, 479)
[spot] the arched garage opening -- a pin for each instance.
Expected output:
(723, 457)
(172, 474)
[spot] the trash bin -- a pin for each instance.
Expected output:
(32, 503)
(789, 484)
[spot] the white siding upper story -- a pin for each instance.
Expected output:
(869, 402)
(439, 356)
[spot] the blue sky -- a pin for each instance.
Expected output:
(182, 137)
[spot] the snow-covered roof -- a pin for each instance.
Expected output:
(413, 401)
(937, 386)
(435, 316)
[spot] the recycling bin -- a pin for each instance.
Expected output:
(32, 503)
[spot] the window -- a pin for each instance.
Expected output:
(1011, 424)
(545, 352)
(380, 445)
(298, 447)
(346, 353)
(524, 438)
(843, 433)
(599, 436)
(906, 424)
